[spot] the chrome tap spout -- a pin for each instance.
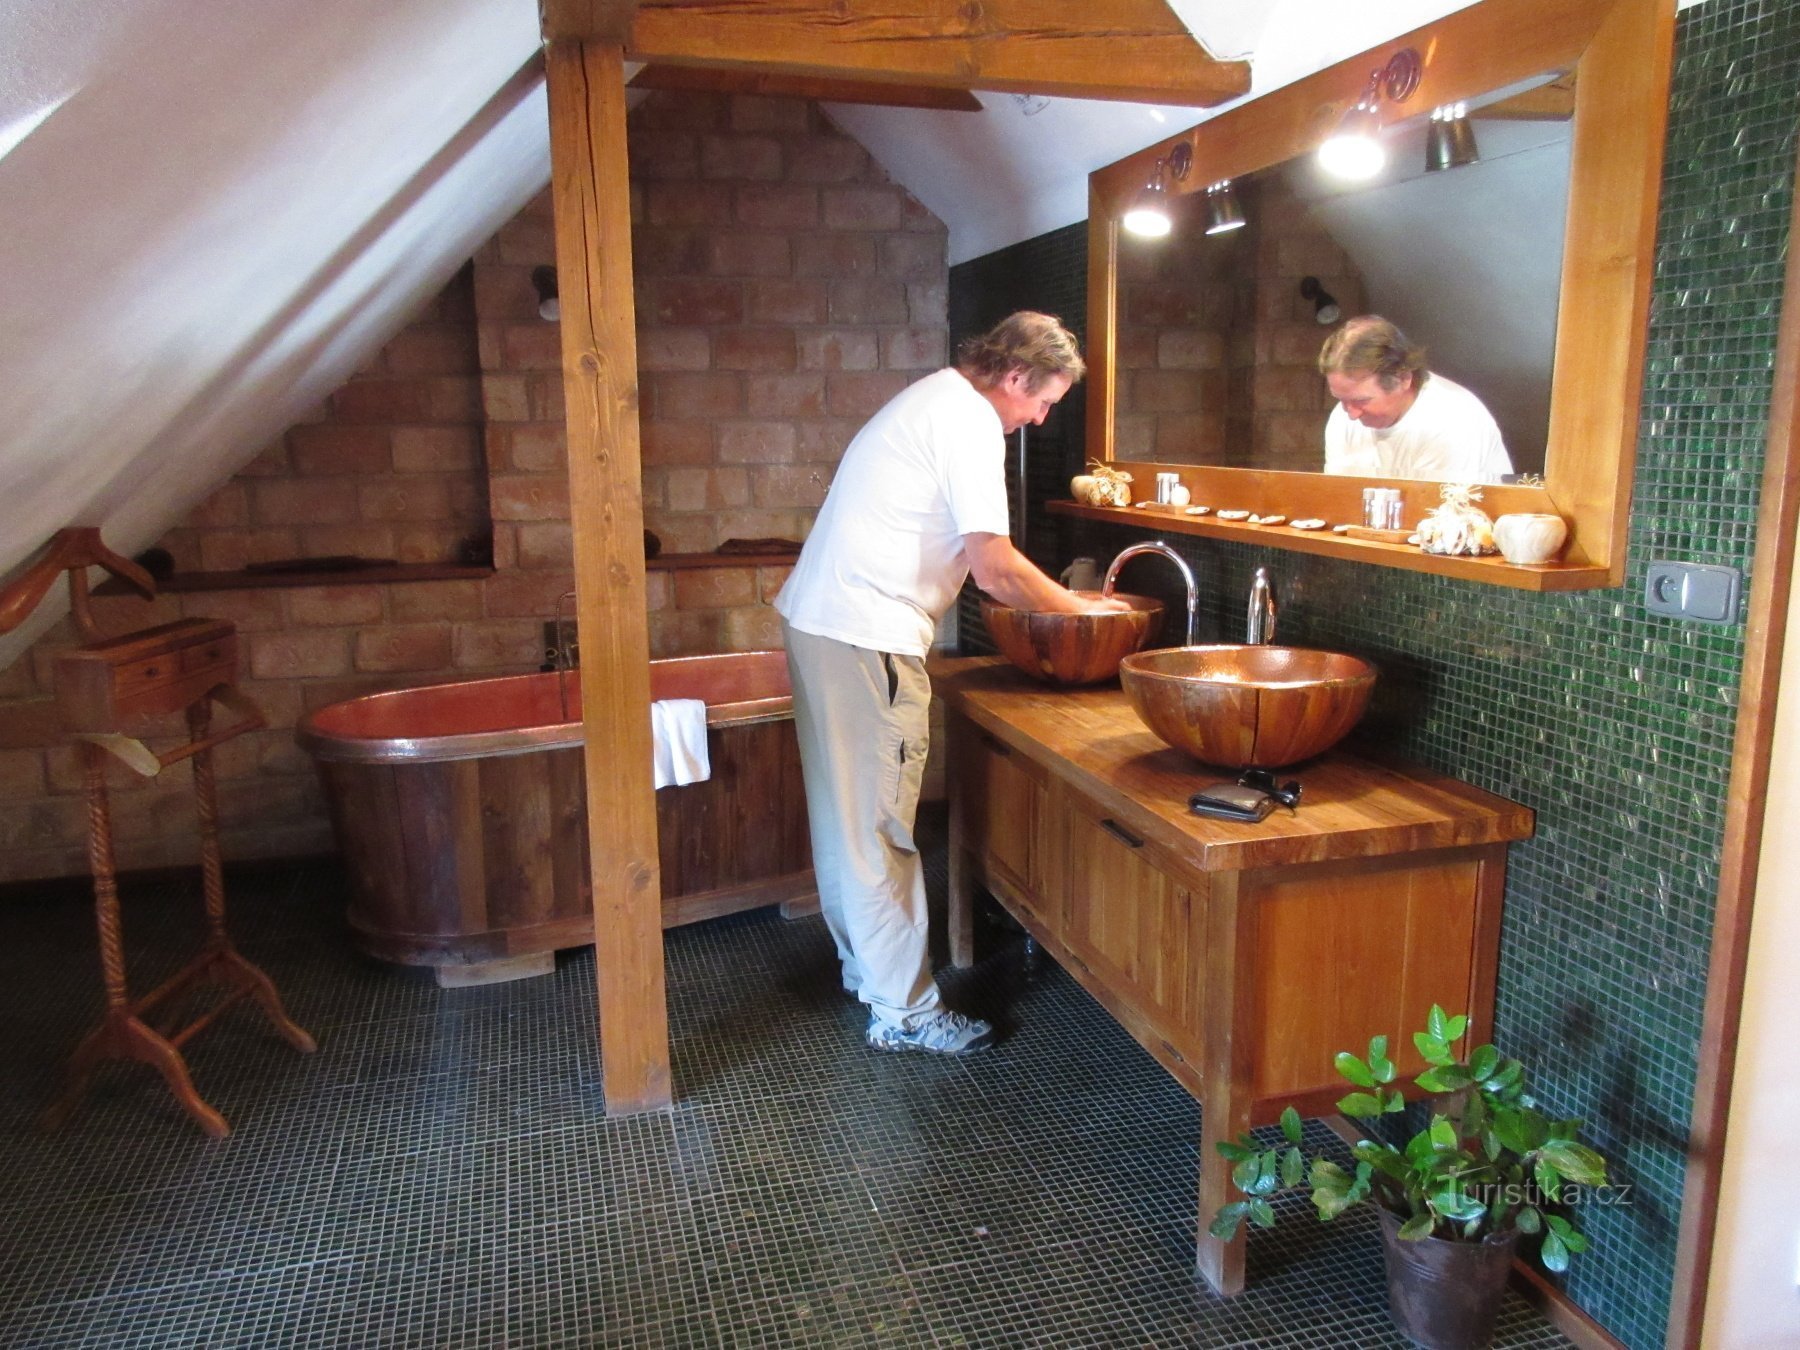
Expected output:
(1259, 624)
(1187, 575)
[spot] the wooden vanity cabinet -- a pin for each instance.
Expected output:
(1148, 948)
(1008, 798)
(1243, 957)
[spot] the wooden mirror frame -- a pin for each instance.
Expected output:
(1621, 51)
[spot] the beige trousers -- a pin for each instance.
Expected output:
(864, 723)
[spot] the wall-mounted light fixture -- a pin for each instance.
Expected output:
(1148, 216)
(543, 281)
(1325, 305)
(1354, 149)
(1223, 210)
(1450, 138)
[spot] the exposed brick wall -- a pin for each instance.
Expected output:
(389, 468)
(786, 289)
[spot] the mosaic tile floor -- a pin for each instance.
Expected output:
(440, 1174)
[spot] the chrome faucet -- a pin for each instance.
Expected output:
(1187, 575)
(1259, 624)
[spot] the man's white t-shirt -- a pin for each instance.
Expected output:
(1447, 434)
(885, 558)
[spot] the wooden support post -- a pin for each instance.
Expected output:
(961, 917)
(592, 193)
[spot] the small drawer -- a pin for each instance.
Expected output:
(138, 676)
(219, 655)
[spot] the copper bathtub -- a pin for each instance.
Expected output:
(460, 812)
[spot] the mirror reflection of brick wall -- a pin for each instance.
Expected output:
(1178, 306)
(1217, 349)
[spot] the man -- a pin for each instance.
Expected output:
(1396, 419)
(917, 503)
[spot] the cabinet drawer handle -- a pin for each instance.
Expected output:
(1123, 835)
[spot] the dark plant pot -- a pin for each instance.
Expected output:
(1445, 1295)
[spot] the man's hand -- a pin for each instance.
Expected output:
(1013, 579)
(1102, 604)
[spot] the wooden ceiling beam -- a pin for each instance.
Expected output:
(606, 21)
(710, 80)
(1123, 50)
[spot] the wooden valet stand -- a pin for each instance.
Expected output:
(186, 666)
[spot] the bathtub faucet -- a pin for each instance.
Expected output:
(563, 651)
(1187, 575)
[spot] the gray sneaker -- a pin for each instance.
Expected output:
(936, 1033)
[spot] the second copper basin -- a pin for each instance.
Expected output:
(1243, 707)
(1072, 648)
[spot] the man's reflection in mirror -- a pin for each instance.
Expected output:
(1397, 419)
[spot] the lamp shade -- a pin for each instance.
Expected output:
(1148, 215)
(1450, 139)
(1223, 210)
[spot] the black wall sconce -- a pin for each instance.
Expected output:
(1354, 149)
(543, 281)
(1148, 216)
(1450, 138)
(1223, 210)
(1325, 306)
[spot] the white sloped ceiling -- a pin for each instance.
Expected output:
(211, 214)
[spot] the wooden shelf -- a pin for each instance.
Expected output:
(383, 575)
(679, 562)
(394, 573)
(1494, 570)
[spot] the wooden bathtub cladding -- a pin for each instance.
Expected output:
(515, 808)
(466, 861)
(746, 825)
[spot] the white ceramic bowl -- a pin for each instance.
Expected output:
(1529, 538)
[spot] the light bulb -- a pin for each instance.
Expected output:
(1354, 150)
(1354, 156)
(1147, 223)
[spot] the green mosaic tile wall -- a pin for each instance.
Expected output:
(1614, 725)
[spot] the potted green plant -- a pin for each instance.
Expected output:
(1454, 1201)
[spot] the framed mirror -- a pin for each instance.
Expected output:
(1526, 275)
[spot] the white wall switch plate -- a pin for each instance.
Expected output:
(1693, 591)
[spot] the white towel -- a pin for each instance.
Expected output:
(678, 741)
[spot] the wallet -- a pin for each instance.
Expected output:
(1251, 798)
(1231, 801)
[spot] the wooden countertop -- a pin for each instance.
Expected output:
(1351, 808)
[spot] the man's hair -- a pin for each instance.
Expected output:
(1035, 343)
(1370, 345)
